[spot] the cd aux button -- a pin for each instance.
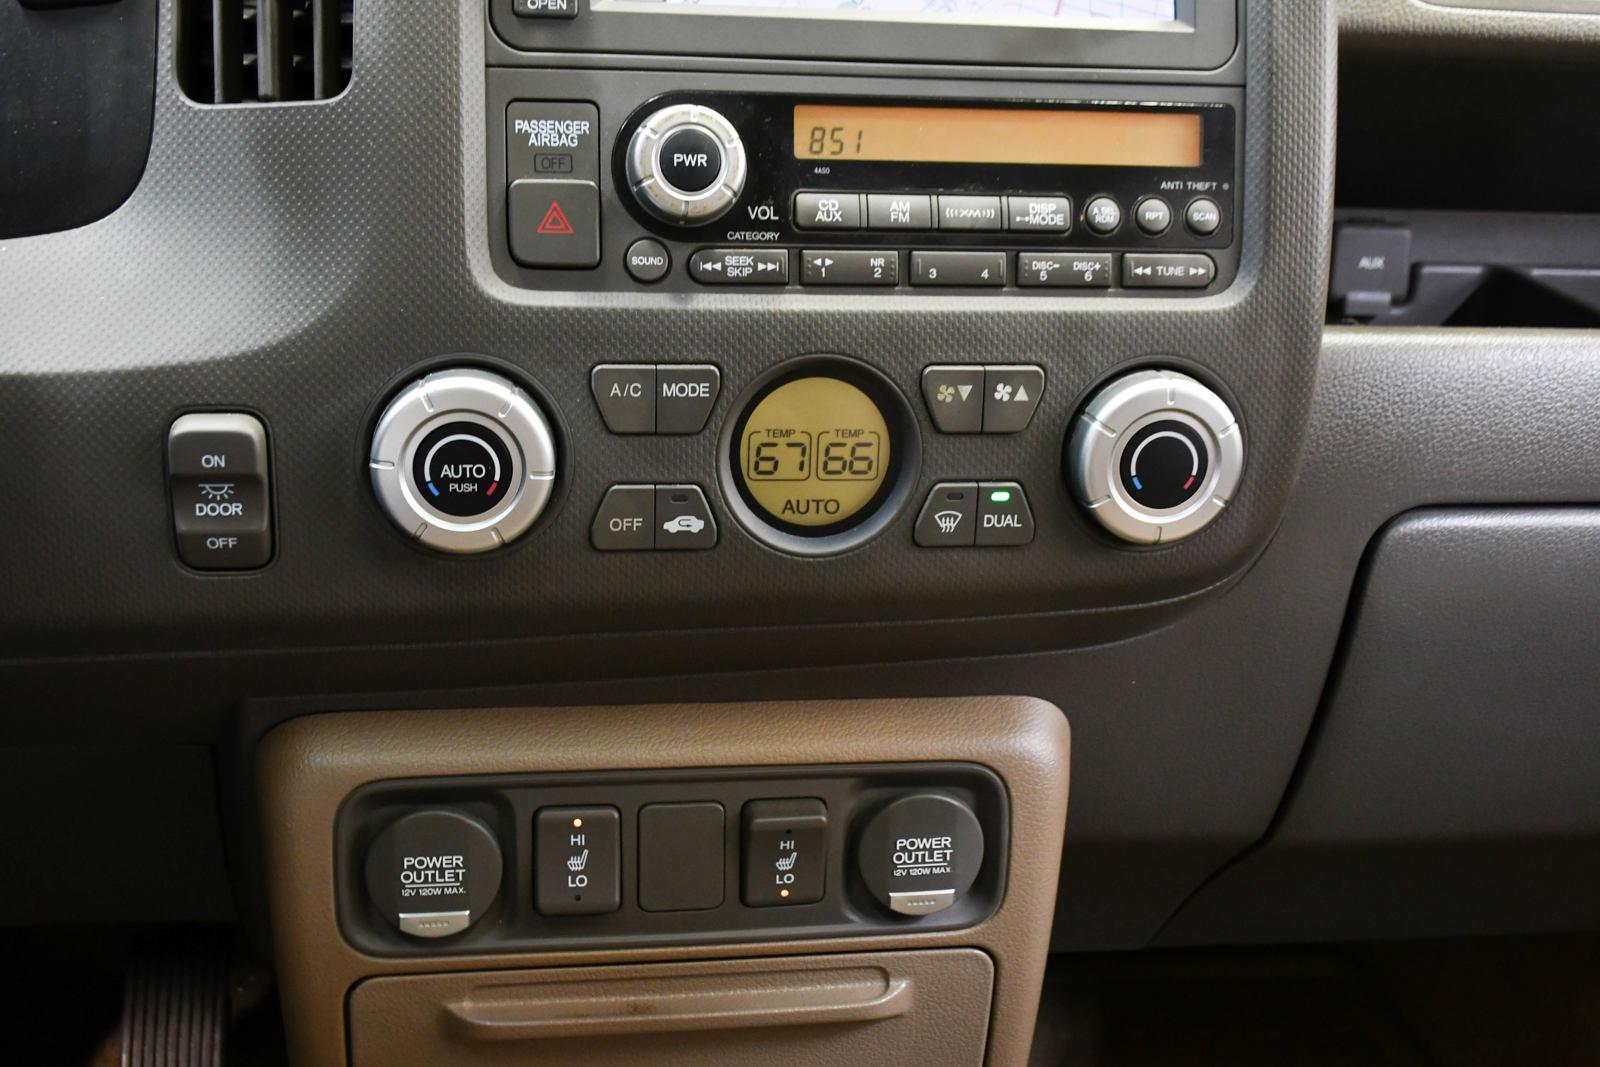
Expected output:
(827, 211)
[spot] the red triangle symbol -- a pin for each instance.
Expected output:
(555, 220)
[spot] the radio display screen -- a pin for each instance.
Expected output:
(997, 135)
(982, 11)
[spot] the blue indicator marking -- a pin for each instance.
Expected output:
(1137, 484)
(432, 490)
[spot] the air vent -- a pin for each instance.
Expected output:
(264, 51)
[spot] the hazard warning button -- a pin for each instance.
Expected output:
(555, 224)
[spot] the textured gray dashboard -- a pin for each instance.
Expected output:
(301, 261)
(1468, 23)
(1449, 786)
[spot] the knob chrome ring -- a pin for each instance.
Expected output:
(1111, 419)
(483, 399)
(659, 196)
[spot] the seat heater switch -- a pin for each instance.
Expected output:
(919, 854)
(221, 499)
(577, 861)
(785, 851)
(434, 873)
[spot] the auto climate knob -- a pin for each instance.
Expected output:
(1155, 456)
(686, 164)
(463, 460)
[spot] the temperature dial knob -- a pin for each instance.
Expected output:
(686, 164)
(1155, 456)
(463, 460)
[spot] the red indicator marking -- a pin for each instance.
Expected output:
(555, 221)
(1186, 484)
(493, 484)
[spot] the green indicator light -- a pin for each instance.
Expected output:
(1000, 496)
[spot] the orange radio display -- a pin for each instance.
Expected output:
(997, 135)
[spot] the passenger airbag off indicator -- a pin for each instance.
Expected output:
(921, 853)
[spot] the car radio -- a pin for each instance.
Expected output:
(740, 180)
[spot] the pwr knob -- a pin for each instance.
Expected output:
(686, 164)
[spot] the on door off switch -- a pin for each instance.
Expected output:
(785, 852)
(434, 873)
(920, 853)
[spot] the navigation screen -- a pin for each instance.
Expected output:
(951, 10)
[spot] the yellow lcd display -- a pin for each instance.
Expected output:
(814, 451)
(998, 135)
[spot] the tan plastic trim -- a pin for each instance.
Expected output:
(308, 766)
(560, 1007)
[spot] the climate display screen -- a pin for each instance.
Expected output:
(814, 452)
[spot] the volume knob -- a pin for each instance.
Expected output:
(686, 164)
